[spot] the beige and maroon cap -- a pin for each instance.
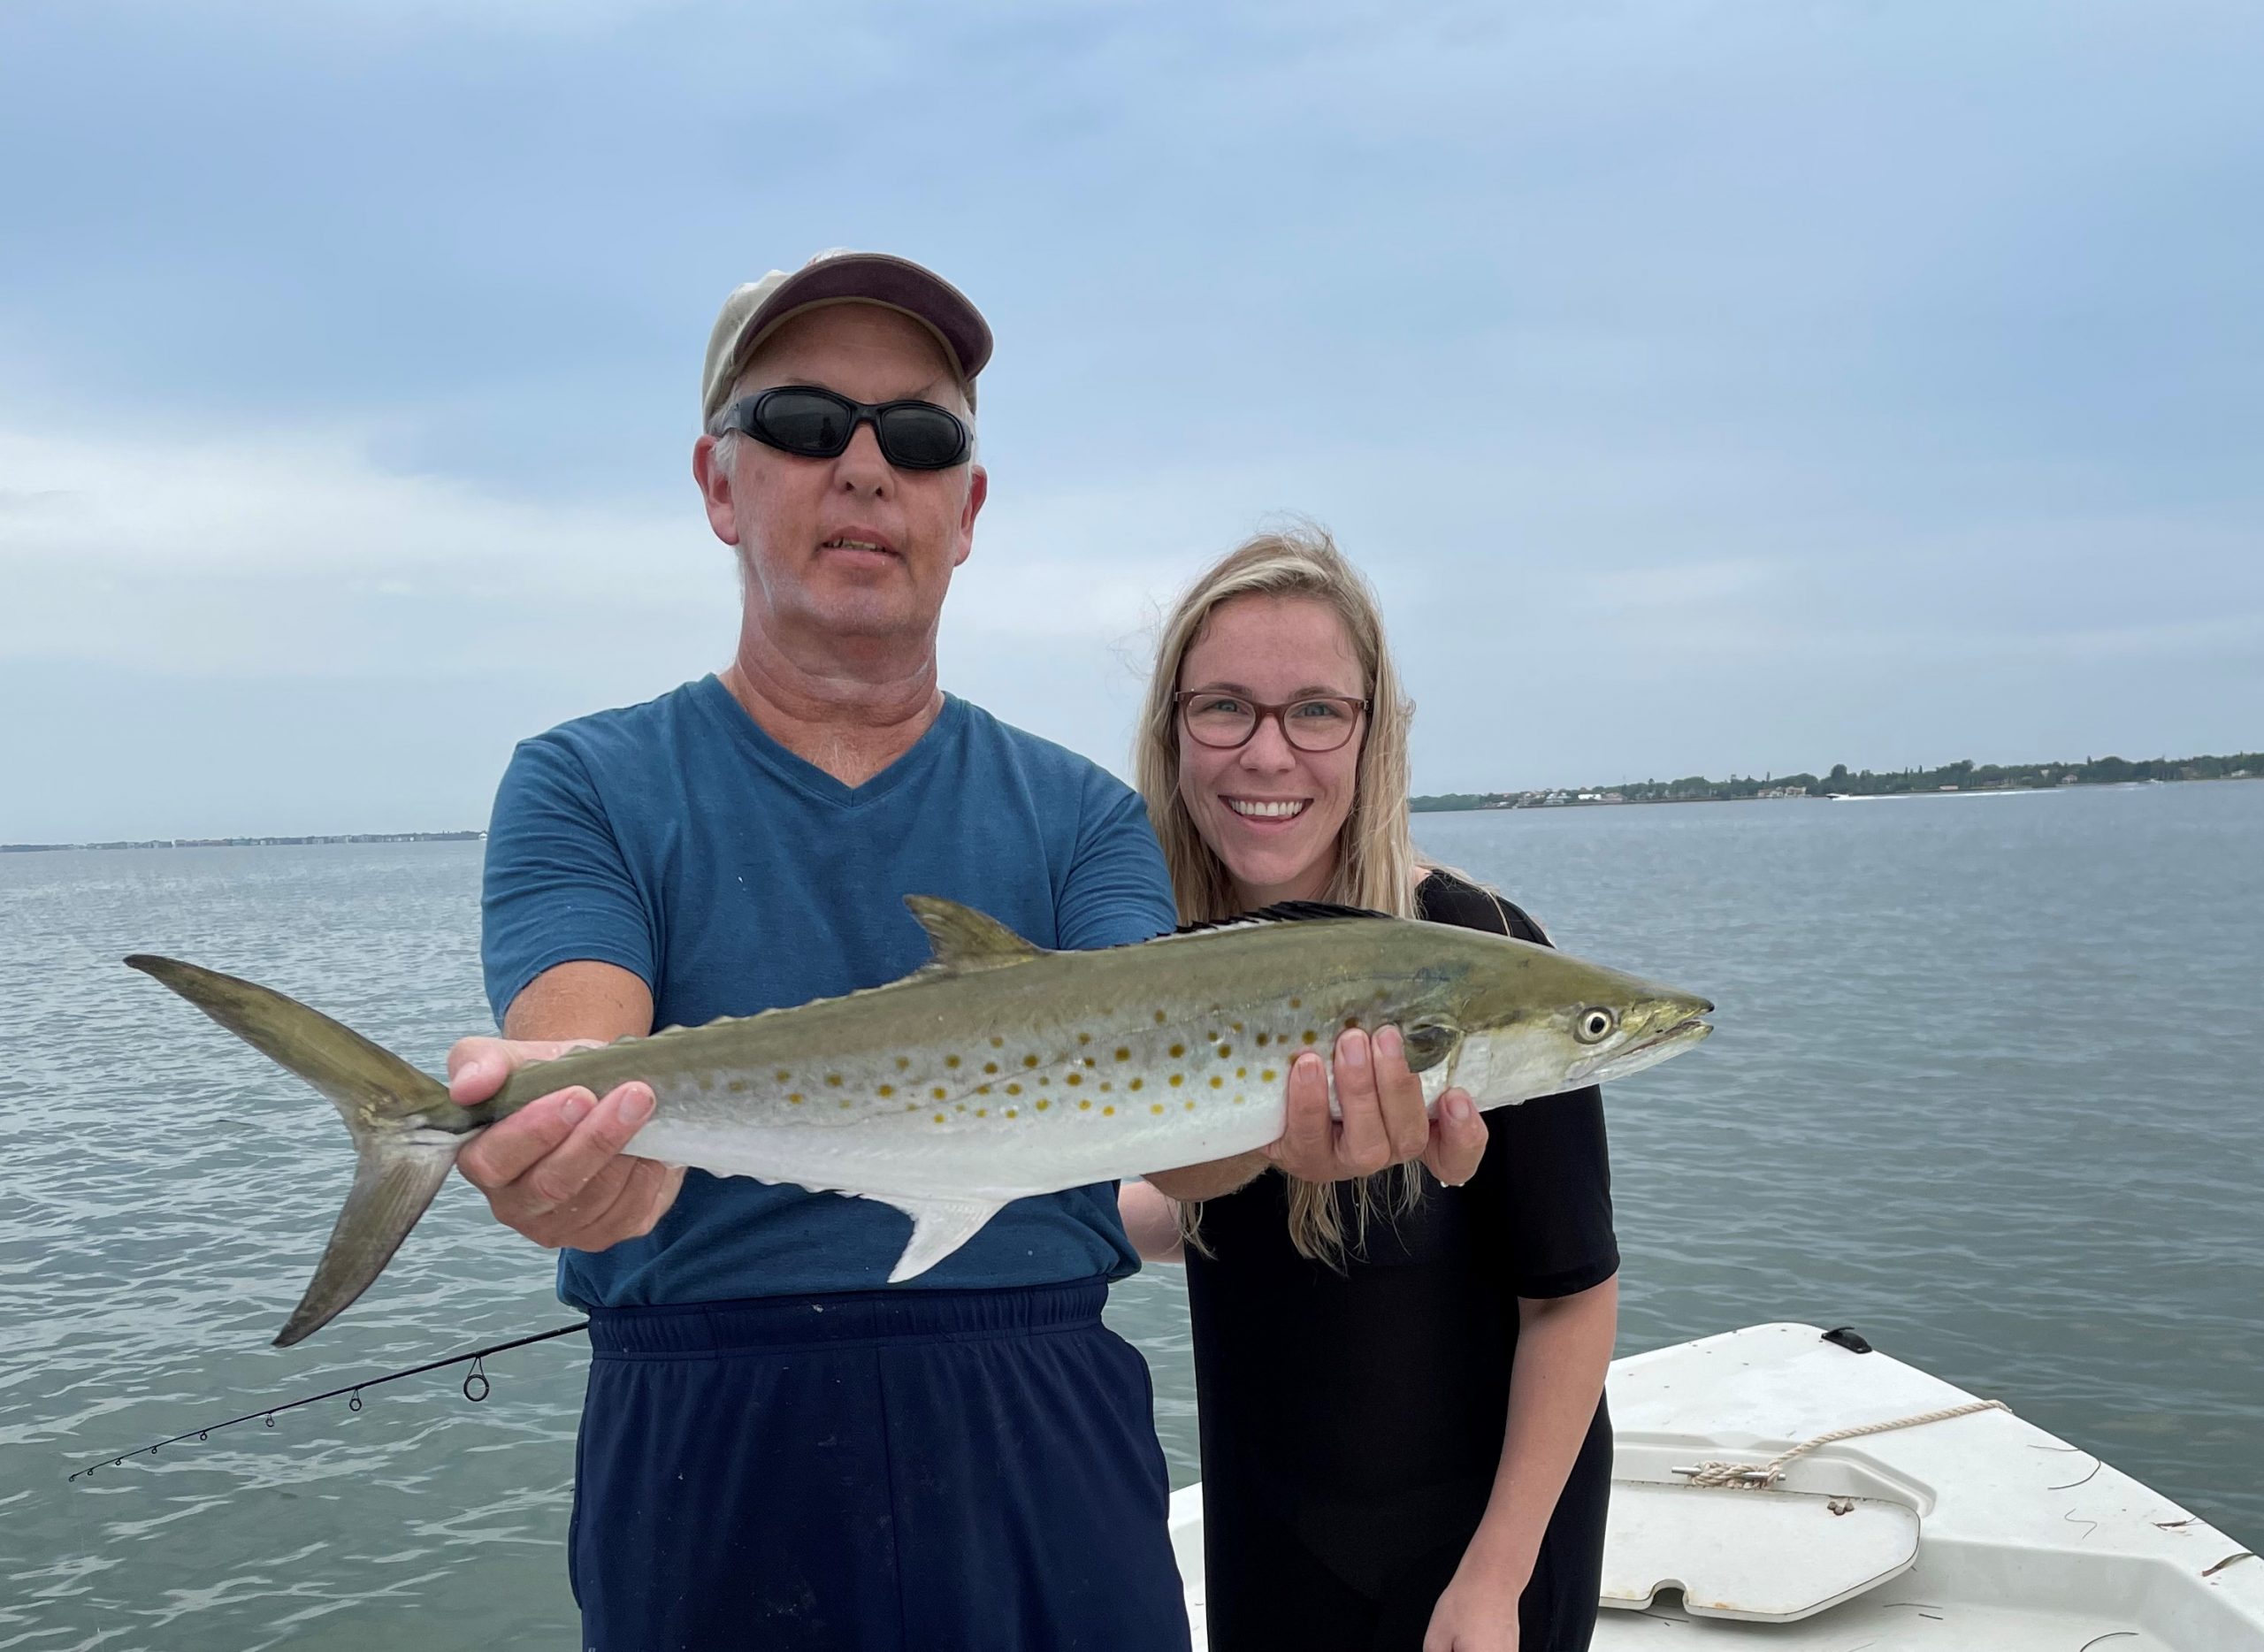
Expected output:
(754, 311)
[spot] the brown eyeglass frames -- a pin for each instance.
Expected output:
(1224, 720)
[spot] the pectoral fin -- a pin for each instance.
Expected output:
(939, 1226)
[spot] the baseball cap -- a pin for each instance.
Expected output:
(753, 313)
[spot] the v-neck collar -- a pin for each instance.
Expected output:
(804, 776)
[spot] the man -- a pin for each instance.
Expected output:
(775, 1450)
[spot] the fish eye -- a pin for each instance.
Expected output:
(1594, 1025)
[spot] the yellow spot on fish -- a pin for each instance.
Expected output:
(1042, 1105)
(1311, 1036)
(845, 1103)
(1296, 1004)
(1122, 1054)
(1177, 1051)
(989, 1066)
(1010, 1113)
(940, 1093)
(1074, 1078)
(1267, 1076)
(1084, 1106)
(1108, 1113)
(1085, 1037)
(983, 1090)
(796, 1098)
(1160, 1018)
(1224, 1049)
(1089, 1061)
(783, 1075)
(1135, 1083)
(1107, 1086)
(1177, 1079)
(737, 1087)
(1261, 1041)
(1029, 1060)
(1351, 1022)
(1045, 1078)
(951, 1060)
(1155, 1106)
(833, 1079)
(1237, 1025)
(1014, 1090)
(1241, 1072)
(1191, 1106)
(1237, 1101)
(998, 1044)
(983, 1112)
(912, 1106)
(887, 1091)
(939, 1117)
(1217, 1083)
(902, 1062)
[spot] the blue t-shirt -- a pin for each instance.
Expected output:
(678, 840)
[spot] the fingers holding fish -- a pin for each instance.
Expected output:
(477, 1067)
(1399, 1095)
(555, 1171)
(1379, 1121)
(1457, 1139)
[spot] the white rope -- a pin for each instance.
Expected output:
(1746, 1477)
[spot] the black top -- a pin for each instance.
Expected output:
(1359, 1415)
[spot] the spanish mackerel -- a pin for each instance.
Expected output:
(996, 1071)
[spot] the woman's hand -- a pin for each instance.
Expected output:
(1477, 1612)
(1383, 1121)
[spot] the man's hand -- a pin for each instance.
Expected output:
(1383, 1121)
(554, 1170)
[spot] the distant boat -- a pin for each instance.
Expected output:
(1995, 1536)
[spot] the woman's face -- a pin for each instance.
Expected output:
(1269, 810)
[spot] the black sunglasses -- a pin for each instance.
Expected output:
(817, 424)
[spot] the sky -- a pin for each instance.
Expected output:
(1707, 387)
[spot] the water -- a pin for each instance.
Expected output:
(1986, 1088)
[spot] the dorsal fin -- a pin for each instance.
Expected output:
(1283, 912)
(966, 939)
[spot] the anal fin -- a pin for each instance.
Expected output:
(939, 1226)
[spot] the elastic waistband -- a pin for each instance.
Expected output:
(869, 1316)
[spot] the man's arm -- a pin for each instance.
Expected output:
(554, 1170)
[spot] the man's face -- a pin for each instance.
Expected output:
(850, 548)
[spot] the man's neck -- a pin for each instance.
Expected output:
(851, 722)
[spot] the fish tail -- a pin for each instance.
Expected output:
(391, 1110)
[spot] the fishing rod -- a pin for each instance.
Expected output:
(476, 1389)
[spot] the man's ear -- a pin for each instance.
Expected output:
(978, 489)
(718, 490)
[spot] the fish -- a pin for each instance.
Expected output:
(999, 1070)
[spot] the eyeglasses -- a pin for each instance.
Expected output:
(816, 424)
(1224, 722)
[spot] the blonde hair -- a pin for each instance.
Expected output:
(1375, 855)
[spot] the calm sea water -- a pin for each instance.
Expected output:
(1986, 1086)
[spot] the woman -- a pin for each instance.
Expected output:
(1404, 1443)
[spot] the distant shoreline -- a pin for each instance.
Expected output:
(249, 843)
(1962, 777)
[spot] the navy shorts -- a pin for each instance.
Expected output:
(918, 1471)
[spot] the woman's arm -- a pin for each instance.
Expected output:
(1564, 1349)
(1150, 1221)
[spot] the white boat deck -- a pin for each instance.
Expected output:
(1977, 1533)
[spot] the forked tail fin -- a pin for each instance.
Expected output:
(400, 1161)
